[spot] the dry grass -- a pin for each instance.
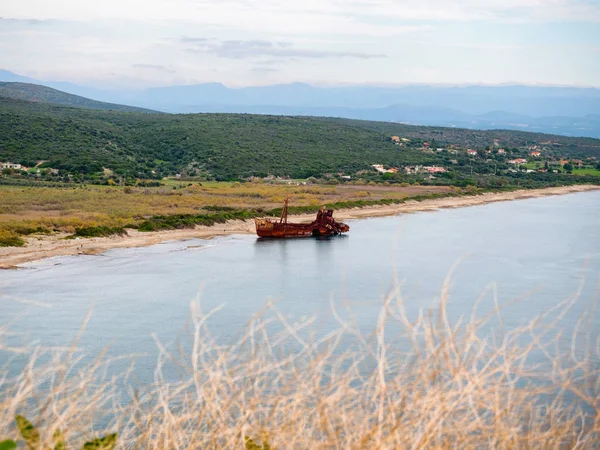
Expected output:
(446, 386)
(64, 209)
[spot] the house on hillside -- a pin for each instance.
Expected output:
(535, 154)
(9, 165)
(471, 152)
(379, 168)
(517, 161)
(396, 139)
(501, 151)
(434, 169)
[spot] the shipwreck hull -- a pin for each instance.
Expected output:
(266, 228)
(323, 225)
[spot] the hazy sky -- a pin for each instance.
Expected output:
(113, 43)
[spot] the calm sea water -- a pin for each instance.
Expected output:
(529, 254)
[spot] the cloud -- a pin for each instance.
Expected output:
(158, 67)
(240, 49)
(23, 22)
(263, 70)
(361, 41)
(259, 13)
(193, 40)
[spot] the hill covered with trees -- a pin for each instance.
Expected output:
(92, 143)
(43, 94)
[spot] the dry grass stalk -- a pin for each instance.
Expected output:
(416, 384)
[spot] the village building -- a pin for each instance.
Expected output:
(535, 153)
(471, 152)
(379, 168)
(434, 169)
(517, 161)
(9, 165)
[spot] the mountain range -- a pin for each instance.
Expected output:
(43, 94)
(569, 111)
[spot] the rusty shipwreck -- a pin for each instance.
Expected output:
(323, 225)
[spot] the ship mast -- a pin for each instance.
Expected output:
(284, 213)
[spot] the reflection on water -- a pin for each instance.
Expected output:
(529, 255)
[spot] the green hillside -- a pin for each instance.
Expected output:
(43, 94)
(224, 145)
(230, 146)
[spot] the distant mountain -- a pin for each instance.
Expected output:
(430, 116)
(5, 75)
(108, 96)
(569, 111)
(531, 101)
(43, 94)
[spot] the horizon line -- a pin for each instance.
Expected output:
(325, 84)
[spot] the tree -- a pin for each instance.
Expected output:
(568, 167)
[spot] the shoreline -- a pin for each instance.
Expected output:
(42, 247)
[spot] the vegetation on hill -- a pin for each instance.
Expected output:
(43, 94)
(96, 145)
(226, 146)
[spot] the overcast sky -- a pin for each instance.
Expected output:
(125, 43)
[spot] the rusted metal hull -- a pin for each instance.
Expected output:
(323, 225)
(268, 228)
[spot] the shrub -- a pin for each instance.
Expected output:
(99, 231)
(10, 239)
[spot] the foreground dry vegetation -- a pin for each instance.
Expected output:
(422, 384)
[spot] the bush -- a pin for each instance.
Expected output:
(99, 231)
(10, 239)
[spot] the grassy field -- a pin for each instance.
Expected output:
(30, 210)
(590, 171)
(587, 171)
(448, 386)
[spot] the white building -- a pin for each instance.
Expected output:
(8, 165)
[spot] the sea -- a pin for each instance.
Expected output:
(516, 260)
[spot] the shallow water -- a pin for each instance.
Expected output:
(531, 254)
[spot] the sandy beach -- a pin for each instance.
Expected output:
(39, 247)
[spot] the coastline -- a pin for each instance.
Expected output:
(41, 247)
